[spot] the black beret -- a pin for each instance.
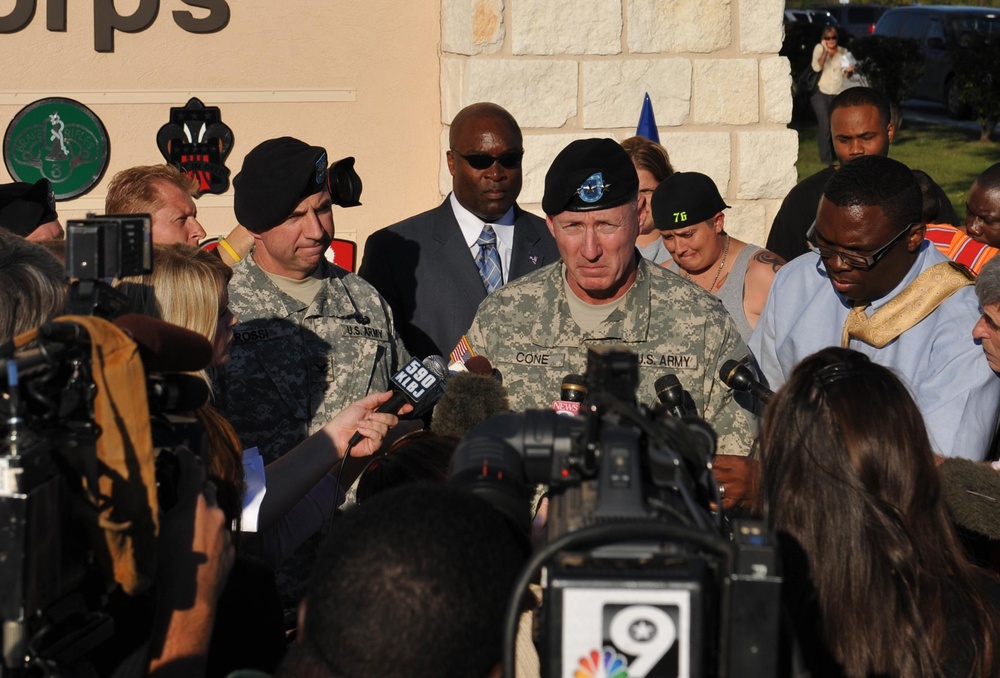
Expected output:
(276, 176)
(685, 199)
(24, 207)
(589, 174)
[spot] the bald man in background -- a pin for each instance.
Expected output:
(428, 266)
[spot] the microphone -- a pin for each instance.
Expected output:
(417, 383)
(470, 398)
(480, 364)
(572, 393)
(176, 392)
(437, 366)
(972, 494)
(739, 377)
(670, 393)
(165, 347)
(673, 398)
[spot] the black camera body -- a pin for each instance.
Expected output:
(639, 573)
(109, 246)
(56, 576)
(102, 247)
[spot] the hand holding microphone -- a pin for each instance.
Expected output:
(365, 420)
(416, 384)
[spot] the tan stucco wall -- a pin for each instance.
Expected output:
(380, 57)
(381, 80)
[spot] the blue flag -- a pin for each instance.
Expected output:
(647, 122)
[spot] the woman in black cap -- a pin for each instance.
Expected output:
(687, 210)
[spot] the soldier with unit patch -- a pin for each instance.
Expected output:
(311, 337)
(538, 328)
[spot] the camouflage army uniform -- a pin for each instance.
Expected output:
(526, 330)
(293, 367)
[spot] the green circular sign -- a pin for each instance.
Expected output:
(60, 140)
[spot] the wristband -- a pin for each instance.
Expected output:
(224, 244)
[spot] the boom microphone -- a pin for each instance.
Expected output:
(739, 377)
(469, 399)
(972, 494)
(165, 347)
(417, 383)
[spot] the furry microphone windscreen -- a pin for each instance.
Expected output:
(972, 494)
(469, 400)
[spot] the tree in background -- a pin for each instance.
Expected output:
(977, 81)
(889, 65)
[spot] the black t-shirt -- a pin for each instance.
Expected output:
(798, 210)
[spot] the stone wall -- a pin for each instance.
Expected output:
(570, 69)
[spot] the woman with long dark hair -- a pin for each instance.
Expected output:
(850, 478)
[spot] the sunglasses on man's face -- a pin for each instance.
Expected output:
(482, 161)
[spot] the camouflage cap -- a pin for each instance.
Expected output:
(590, 174)
(277, 174)
(24, 207)
(684, 199)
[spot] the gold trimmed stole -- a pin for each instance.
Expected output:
(917, 301)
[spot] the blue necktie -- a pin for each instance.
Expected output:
(488, 260)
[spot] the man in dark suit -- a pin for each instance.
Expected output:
(432, 268)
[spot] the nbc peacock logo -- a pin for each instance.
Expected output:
(603, 663)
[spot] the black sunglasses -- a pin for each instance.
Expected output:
(861, 262)
(481, 161)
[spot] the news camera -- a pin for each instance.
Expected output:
(56, 566)
(639, 573)
(103, 247)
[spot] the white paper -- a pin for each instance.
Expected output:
(256, 482)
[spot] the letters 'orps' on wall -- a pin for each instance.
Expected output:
(107, 19)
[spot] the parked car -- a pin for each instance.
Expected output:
(857, 21)
(938, 30)
(820, 17)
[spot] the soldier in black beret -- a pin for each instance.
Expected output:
(538, 328)
(311, 337)
(29, 210)
(590, 200)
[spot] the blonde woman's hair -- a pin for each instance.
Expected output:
(184, 288)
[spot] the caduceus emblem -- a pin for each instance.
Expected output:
(57, 132)
(56, 164)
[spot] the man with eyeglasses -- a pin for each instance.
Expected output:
(538, 329)
(873, 284)
(435, 268)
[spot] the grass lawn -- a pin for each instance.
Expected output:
(952, 157)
